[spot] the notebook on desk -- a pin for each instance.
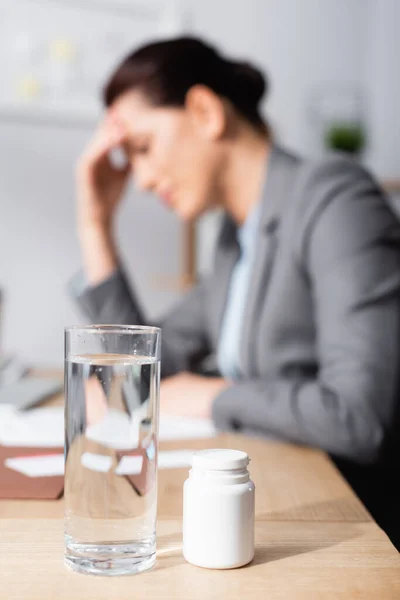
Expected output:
(16, 486)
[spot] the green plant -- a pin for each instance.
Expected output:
(345, 138)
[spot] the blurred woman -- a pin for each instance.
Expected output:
(302, 308)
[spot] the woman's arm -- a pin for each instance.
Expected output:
(99, 253)
(107, 297)
(100, 187)
(184, 331)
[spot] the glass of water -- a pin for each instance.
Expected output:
(112, 382)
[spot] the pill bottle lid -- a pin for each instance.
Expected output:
(220, 459)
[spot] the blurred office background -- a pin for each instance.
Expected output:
(330, 62)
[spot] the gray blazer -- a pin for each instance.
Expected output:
(320, 348)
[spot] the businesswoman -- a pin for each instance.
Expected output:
(302, 308)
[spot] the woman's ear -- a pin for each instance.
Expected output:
(207, 112)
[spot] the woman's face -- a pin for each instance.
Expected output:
(173, 152)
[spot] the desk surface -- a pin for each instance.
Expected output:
(314, 539)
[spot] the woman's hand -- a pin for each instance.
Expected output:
(190, 395)
(100, 188)
(100, 183)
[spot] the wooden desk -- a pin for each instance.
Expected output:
(314, 539)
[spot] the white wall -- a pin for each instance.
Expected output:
(300, 43)
(382, 76)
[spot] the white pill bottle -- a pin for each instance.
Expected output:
(218, 510)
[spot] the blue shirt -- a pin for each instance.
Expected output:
(228, 354)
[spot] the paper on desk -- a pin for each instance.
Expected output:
(167, 459)
(44, 427)
(116, 430)
(41, 427)
(120, 431)
(129, 465)
(96, 462)
(185, 428)
(37, 466)
(175, 459)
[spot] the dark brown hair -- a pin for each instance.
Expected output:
(165, 71)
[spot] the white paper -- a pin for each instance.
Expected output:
(41, 427)
(129, 465)
(44, 427)
(167, 459)
(117, 430)
(37, 466)
(174, 459)
(185, 428)
(96, 462)
(120, 431)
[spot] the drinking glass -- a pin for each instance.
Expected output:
(112, 383)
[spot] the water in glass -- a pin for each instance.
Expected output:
(110, 471)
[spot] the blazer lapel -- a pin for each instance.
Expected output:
(275, 193)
